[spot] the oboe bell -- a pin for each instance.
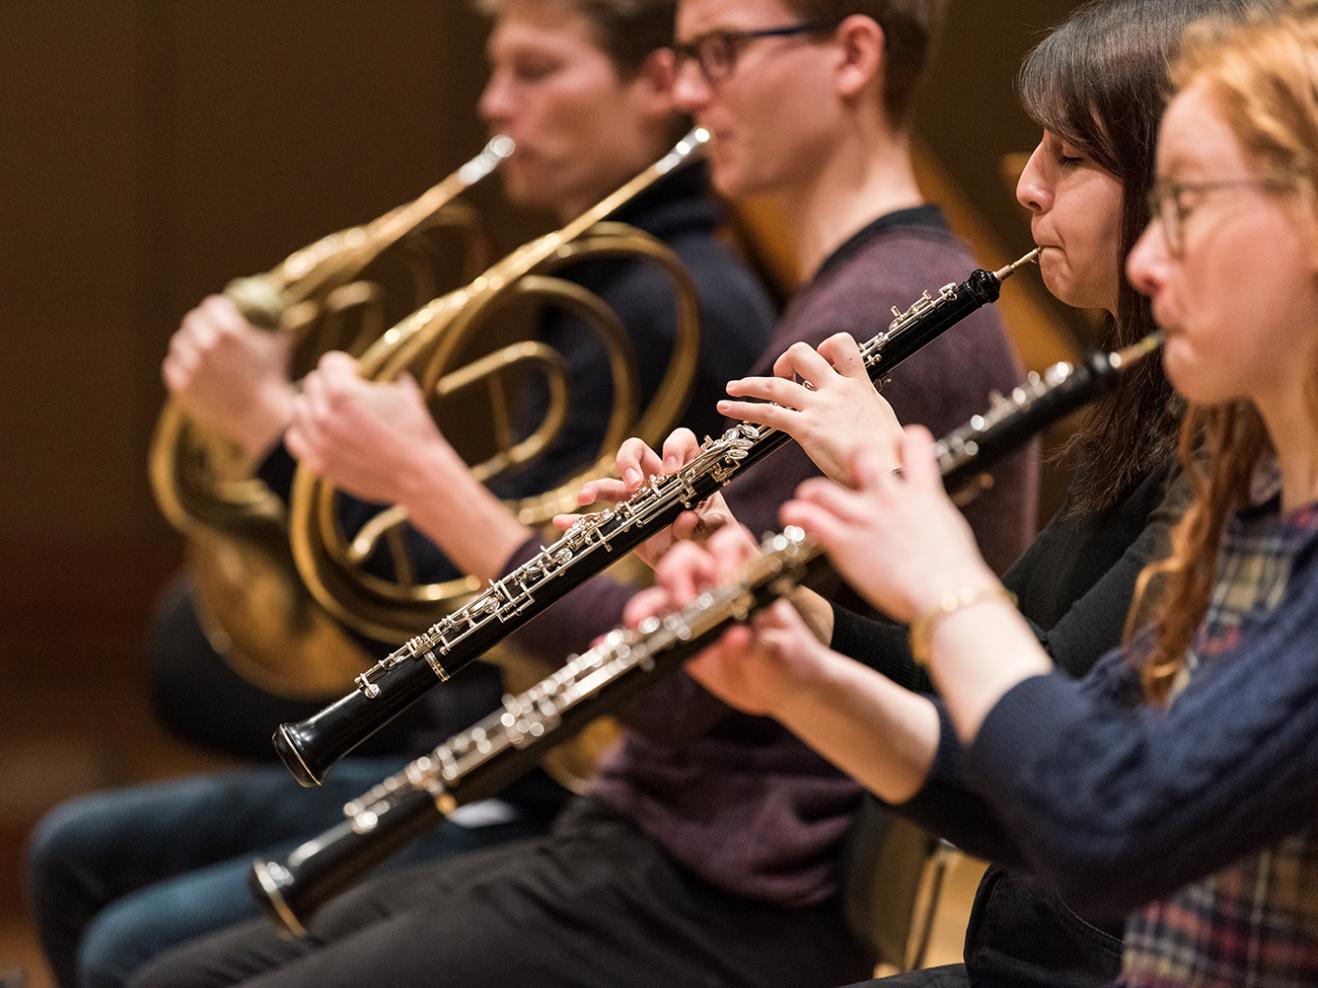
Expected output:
(292, 890)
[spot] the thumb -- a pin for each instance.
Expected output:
(408, 386)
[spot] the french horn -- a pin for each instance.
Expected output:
(308, 580)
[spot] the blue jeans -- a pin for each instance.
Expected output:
(116, 878)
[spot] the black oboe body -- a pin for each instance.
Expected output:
(502, 747)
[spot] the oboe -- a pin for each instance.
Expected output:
(310, 747)
(506, 744)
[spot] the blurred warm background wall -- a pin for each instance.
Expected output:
(152, 149)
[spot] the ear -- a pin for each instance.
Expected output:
(1310, 207)
(863, 55)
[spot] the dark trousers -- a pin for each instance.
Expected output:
(1022, 935)
(951, 976)
(595, 905)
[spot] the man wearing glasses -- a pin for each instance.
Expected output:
(706, 853)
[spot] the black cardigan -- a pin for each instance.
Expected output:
(1073, 584)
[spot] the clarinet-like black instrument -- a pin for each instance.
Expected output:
(310, 747)
(488, 756)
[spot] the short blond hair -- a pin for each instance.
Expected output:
(628, 31)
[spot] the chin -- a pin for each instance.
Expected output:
(1054, 278)
(1186, 375)
(1063, 287)
(726, 181)
(515, 190)
(531, 199)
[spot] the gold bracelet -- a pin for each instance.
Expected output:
(923, 626)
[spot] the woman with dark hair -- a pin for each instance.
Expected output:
(1095, 85)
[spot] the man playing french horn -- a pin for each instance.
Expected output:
(707, 850)
(584, 91)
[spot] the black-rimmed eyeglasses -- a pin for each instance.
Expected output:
(716, 53)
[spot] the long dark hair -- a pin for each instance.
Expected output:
(1099, 82)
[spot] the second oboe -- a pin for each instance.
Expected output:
(483, 759)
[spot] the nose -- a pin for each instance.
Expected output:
(691, 90)
(1033, 191)
(496, 100)
(1148, 264)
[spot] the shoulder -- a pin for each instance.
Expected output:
(906, 259)
(638, 279)
(734, 304)
(718, 271)
(890, 270)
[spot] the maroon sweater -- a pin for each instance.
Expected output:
(738, 799)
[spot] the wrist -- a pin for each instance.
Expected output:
(926, 595)
(268, 416)
(812, 688)
(432, 477)
(816, 612)
(459, 514)
(949, 606)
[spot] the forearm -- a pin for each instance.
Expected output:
(260, 429)
(880, 734)
(474, 528)
(1118, 806)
